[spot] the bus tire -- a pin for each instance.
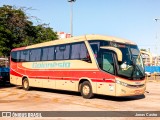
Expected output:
(86, 90)
(26, 84)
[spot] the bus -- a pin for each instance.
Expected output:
(4, 70)
(89, 64)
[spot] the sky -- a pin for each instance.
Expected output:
(129, 19)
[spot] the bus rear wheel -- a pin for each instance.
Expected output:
(86, 90)
(25, 84)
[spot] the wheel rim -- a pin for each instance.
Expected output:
(25, 84)
(86, 90)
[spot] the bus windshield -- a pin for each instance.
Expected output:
(131, 66)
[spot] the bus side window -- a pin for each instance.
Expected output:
(84, 55)
(75, 52)
(44, 55)
(51, 53)
(66, 52)
(59, 52)
(35, 54)
(15, 56)
(62, 52)
(95, 49)
(18, 56)
(108, 63)
(48, 53)
(80, 52)
(24, 56)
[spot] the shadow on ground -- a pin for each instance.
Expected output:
(104, 97)
(120, 99)
(6, 85)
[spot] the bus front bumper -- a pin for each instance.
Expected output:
(130, 90)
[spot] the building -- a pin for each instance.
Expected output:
(149, 59)
(62, 35)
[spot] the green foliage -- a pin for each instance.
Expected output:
(16, 30)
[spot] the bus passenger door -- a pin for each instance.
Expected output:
(106, 63)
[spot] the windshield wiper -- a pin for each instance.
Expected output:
(136, 68)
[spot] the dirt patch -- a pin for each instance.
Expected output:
(23, 95)
(47, 100)
(10, 101)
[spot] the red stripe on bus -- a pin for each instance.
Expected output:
(110, 81)
(53, 78)
(38, 75)
(67, 74)
(12, 72)
(73, 79)
(95, 76)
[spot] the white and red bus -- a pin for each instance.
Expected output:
(89, 64)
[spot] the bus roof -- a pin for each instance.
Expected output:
(78, 39)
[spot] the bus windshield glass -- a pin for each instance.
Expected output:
(131, 65)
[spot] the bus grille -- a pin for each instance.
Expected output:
(135, 86)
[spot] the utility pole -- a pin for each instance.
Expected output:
(157, 41)
(71, 17)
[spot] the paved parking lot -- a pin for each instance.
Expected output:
(37, 99)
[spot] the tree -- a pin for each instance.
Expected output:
(16, 30)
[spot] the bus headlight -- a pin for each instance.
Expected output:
(124, 84)
(121, 83)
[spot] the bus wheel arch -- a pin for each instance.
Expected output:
(85, 88)
(25, 83)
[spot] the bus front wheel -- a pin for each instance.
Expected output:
(86, 90)
(26, 84)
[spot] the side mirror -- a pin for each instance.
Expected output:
(116, 50)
